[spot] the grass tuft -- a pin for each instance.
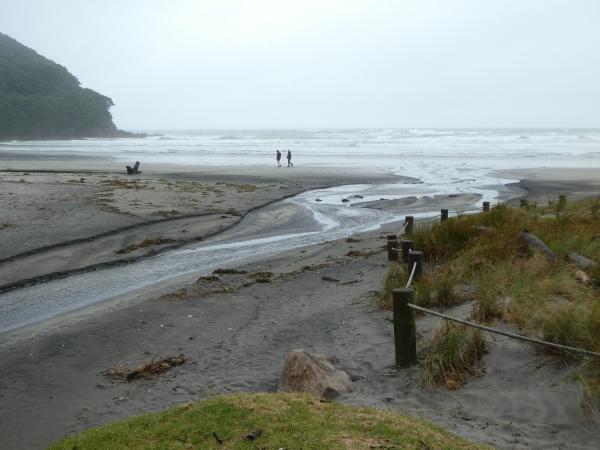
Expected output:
(395, 278)
(452, 354)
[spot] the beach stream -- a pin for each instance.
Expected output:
(308, 218)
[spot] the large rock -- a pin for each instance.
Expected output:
(314, 374)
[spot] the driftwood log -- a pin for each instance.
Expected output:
(533, 242)
(133, 170)
(581, 261)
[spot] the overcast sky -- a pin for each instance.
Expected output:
(325, 63)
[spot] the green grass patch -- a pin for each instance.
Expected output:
(290, 421)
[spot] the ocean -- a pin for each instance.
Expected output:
(382, 148)
(446, 161)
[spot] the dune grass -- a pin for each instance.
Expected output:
(513, 283)
(452, 354)
(290, 421)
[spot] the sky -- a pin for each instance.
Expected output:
(189, 64)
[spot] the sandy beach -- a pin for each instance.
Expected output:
(61, 222)
(387, 214)
(233, 330)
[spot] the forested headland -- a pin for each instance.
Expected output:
(40, 99)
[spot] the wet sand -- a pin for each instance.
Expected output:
(546, 184)
(57, 223)
(414, 205)
(235, 333)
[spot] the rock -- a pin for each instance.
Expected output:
(254, 435)
(582, 276)
(581, 261)
(314, 374)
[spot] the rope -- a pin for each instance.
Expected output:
(412, 274)
(401, 232)
(504, 333)
(426, 219)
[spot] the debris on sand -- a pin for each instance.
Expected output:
(351, 240)
(333, 280)
(261, 277)
(146, 243)
(149, 370)
(208, 279)
(355, 253)
(221, 271)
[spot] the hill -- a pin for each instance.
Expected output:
(40, 99)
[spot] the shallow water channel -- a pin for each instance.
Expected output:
(306, 219)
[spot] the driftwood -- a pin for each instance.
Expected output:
(148, 370)
(581, 261)
(535, 243)
(133, 170)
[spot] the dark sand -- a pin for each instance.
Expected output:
(60, 222)
(544, 185)
(51, 381)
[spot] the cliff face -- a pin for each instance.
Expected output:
(40, 99)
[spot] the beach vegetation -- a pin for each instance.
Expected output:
(452, 354)
(40, 99)
(508, 281)
(395, 278)
(250, 421)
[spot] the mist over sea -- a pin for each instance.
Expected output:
(382, 148)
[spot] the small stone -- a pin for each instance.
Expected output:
(253, 435)
(582, 276)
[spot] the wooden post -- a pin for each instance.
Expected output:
(524, 203)
(444, 215)
(416, 257)
(409, 221)
(405, 331)
(392, 243)
(562, 201)
(486, 206)
(406, 245)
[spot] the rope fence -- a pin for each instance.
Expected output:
(403, 304)
(502, 332)
(412, 274)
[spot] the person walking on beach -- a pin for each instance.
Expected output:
(278, 158)
(289, 158)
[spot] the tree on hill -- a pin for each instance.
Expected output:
(40, 99)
